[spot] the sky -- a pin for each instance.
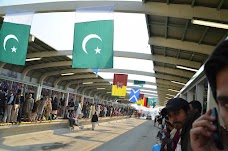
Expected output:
(16, 2)
(130, 35)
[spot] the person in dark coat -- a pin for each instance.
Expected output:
(94, 120)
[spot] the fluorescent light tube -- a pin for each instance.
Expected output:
(209, 23)
(65, 74)
(170, 95)
(173, 90)
(100, 88)
(33, 59)
(87, 83)
(178, 82)
(187, 68)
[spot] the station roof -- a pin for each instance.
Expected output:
(174, 42)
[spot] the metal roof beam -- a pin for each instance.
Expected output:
(166, 26)
(45, 65)
(220, 4)
(47, 74)
(203, 35)
(153, 8)
(135, 55)
(69, 52)
(128, 72)
(165, 82)
(171, 78)
(74, 77)
(183, 45)
(185, 30)
(175, 61)
(176, 72)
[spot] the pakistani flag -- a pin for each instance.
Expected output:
(14, 37)
(93, 38)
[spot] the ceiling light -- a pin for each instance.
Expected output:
(31, 38)
(187, 68)
(173, 90)
(65, 74)
(209, 23)
(178, 82)
(170, 95)
(100, 88)
(33, 59)
(87, 83)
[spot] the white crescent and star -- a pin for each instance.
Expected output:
(7, 38)
(86, 39)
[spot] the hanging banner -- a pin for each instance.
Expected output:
(119, 87)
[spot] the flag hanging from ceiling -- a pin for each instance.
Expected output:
(145, 102)
(95, 71)
(140, 83)
(93, 38)
(14, 37)
(151, 102)
(119, 86)
(141, 100)
(134, 95)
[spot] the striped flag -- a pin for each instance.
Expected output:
(119, 87)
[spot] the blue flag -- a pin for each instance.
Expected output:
(134, 95)
(95, 70)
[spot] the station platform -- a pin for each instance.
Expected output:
(7, 129)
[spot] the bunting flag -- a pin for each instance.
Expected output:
(145, 102)
(140, 83)
(119, 86)
(141, 100)
(95, 71)
(93, 37)
(14, 37)
(151, 102)
(134, 95)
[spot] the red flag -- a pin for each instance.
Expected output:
(119, 86)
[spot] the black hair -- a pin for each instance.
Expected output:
(196, 105)
(217, 62)
(19, 91)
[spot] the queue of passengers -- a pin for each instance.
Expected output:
(185, 129)
(15, 108)
(88, 109)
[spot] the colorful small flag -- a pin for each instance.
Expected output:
(137, 82)
(14, 37)
(93, 38)
(134, 95)
(145, 102)
(95, 71)
(119, 87)
(141, 100)
(151, 102)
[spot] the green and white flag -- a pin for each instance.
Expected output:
(93, 38)
(14, 37)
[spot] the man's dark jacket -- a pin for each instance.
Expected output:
(185, 132)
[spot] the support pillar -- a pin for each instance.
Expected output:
(38, 93)
(199, 93)
(189, 96)
(66, 104)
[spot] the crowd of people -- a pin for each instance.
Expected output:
(88, 110)
(183, 128)
(15, 108)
